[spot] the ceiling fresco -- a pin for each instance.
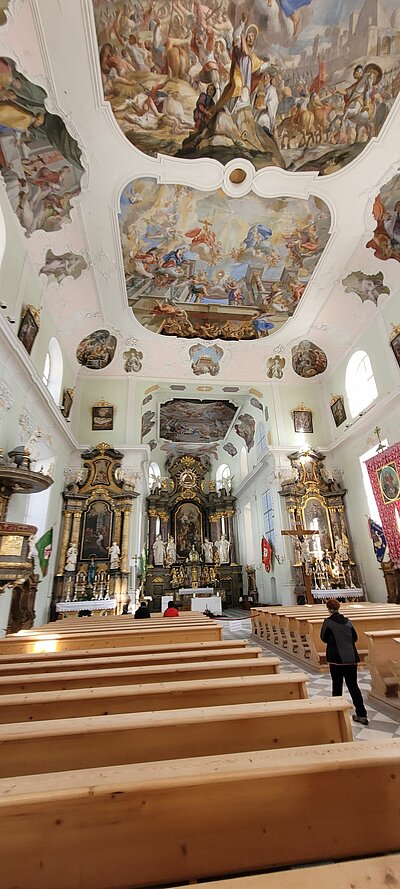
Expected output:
(4, 4)
(308, 360)
(204, 264)
(39, 160)
(386, 239)
(195, 421)
(298, 84)
(97, 350)
(64, 265)
(367, 287)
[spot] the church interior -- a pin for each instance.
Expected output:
(200, 426)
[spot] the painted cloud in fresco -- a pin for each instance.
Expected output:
(367, 287)
(273, 81)
(39, 160)
(386, 240)
(64, 265)
(308, 360)
(97, 350)
(201, 264)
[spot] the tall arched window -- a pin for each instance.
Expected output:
(244, 465)
(53, 369)
(360, 383)
(261, 439)
(223, 477)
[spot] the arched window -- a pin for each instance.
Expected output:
(360, 383)
(154, 474)
(223, 477)
(261, 439)
(244, 466)
(53, 369)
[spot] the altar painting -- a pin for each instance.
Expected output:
(188, 528)
(96, 536)
(295, 84)
(315, 518)
(202, 264)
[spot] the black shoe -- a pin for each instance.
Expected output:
(362, 719)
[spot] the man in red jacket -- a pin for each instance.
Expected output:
(171, 611)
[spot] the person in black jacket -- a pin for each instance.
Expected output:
(342, 656)
(142, 611)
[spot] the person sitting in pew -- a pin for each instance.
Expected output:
(342, 656)
(142, 611)
(171, 611)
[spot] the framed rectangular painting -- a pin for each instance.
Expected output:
(67, 401)
(102, 417)
(303, 421)
(29, 327)
(395, 344)
(338, 410)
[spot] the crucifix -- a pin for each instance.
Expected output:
(301, 533)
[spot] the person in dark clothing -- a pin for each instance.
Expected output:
(342, 656)
(142, 611)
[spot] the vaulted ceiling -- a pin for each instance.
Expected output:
(205, 188)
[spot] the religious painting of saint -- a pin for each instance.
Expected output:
(316, 518)
(303, 420)
(97, 350)
(101, 468)
(188, 528)
(295, 84)
(97, 528)
(389, 482)
(29, 328)
(338, 410)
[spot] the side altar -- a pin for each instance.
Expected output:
(191, 535)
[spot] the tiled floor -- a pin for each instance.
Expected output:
(384, 721)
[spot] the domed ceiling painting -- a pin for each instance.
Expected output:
(297, 84)
(202, 264)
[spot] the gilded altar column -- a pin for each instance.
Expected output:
(67, 518)
(117, 527)
(229, 515)
(76, 524)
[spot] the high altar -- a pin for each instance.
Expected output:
(187, 511)
(322, 556)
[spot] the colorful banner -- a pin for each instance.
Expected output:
(378, 539)
(266, 554)
(44, 547)
(384, 473)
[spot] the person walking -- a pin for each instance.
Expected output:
(342, 656)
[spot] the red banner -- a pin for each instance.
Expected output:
(384, 473)
(266, 554)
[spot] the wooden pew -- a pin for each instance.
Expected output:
(96, 678)
(96, 741)
(177, 647)
(365, 873)
(160, 696)
(168, 822)
(17, 644)
(384, 663)
(131, 660)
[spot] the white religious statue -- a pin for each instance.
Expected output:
(115, 552)
(208, 551)
(341, 549)
(71, 558)
(305, 555)
(171, 550)
(158, 550)
(156, 485)
(297, 551)
(32, 551)
(223, 546)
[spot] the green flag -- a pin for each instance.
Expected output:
(44, 547)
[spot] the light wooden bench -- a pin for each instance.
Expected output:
(136, 650)
(130, 660)
(97, 678)
(365, 873)
(211, 632)
(141, 825)
(384, 663)
(139, 698)
(95, 741)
